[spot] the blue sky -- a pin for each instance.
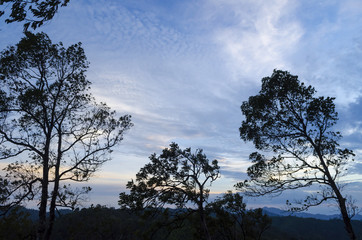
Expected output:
(183, 68)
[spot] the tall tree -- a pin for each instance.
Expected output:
(50, 125)
(288, 121)
(35, 12)
(176, 177)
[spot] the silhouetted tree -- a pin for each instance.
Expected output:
(256, 223)
(51, 126)
(230, 210)
(35, 12)
(286, 119)
(175, 177)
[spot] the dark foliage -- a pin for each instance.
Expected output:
(178, 178)
(18, 224)
(294, 228)
(98, 223)
(231, 220)
(34, 13)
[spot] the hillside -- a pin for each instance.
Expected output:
(282, 213)
(109, 223)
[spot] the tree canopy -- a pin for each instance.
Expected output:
(177, 178)
(295, 129)
(35, 13)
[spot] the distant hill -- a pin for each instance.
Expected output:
(34, 213)
(272, 212)
(281, 213)
(110, 223)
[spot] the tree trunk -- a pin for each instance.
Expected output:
(52, 207)
(345, 217)
(341, 200)
(204, 226)
(202, 215)
(43, 202)
(42, 224)
(55, 188)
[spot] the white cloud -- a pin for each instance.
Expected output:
(261, 39)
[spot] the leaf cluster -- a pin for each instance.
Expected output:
(35, 12)
(233, 221)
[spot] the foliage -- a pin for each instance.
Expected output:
(51, 126)
(100, 222)
(17, 224)
(256, 223)
(96, 221)
(286, 119)
(309, 229)
(174, 178)
(233, 221)
(35, 13)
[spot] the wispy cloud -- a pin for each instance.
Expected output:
(183, 68)
(261, 37)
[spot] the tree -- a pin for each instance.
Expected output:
(97, 222)
(230, 211)
(51, 128)
(287, 120)
(256, 223)
(177, 178)
(35, 13)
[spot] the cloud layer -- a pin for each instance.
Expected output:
(183, 68)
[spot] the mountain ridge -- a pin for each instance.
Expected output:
(270, 211)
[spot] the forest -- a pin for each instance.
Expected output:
(54, 134)
(99, 222)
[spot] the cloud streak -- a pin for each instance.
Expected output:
(183, 68)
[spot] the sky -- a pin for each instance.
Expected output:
(182, 69)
